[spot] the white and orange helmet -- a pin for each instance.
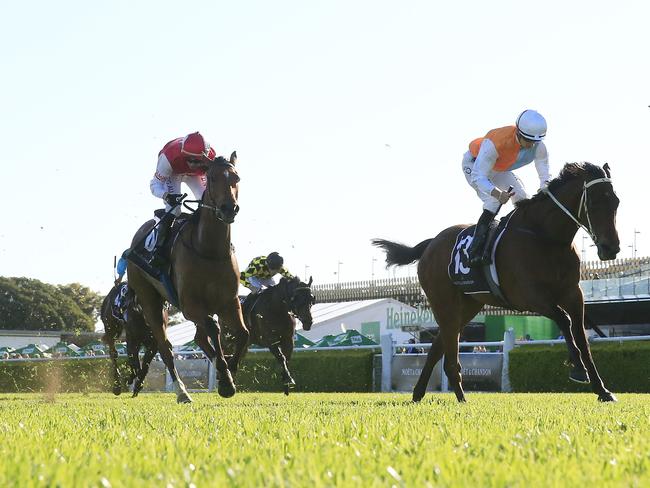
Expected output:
(195, 146)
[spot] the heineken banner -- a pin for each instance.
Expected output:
(480, 371)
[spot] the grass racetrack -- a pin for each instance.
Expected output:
(324, 440)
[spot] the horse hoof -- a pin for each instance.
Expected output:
(183, 398)
(607, 397)
(286, 390)
(417, 396)
(579, 375)
(117, 390)
(226, 389)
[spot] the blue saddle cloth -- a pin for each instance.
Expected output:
(481, 279)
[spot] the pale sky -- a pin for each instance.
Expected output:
(350, 118)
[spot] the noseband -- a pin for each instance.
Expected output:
(292, 299)
(583, 205)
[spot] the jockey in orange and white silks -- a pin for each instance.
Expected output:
(182, 160)
(488, 169)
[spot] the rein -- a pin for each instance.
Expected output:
(582, 205)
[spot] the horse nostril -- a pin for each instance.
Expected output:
(230, 208)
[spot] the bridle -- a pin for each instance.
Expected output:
(218, 212)
(582, 206)
(291, 302)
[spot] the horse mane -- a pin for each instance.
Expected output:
(570, 172)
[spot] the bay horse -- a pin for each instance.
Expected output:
(205, 274)
(270, 318)
(138, 334)
(537, 264)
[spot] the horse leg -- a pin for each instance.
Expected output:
(287, 380)
(153, 314)
(231, 315)
(575, 309)
(578, 372)
(452, 365)
(201, 339)
(225, 384)
(112, 330)
(434, 355)
(149, 353)
(133, 351)
(452, 311)
(117, 387)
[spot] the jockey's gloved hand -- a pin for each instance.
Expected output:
(172, 198)
(502, 196)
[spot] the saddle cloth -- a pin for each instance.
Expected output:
(120, 304)
(477, 280)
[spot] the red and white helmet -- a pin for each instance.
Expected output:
(195, 145)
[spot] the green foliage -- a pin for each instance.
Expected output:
(315, 371)
(90, 302)
(27, 304)
(624, 367)
(324, 439)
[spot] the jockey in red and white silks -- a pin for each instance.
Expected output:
(488, 169)
(182, 160)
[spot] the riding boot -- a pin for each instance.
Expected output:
(157, 258)
(476, 251)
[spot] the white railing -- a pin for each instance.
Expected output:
(390, 350)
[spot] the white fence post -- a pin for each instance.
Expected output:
(169, 385)
(444, 381)
(212, 376)
(508, 345)
(386, 342)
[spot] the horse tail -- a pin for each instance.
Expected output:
(398, 254)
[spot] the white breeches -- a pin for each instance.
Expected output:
(256, 284)
(501, 179)
(173, 185)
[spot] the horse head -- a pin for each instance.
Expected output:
(590, 188)
(600, 206)
(299, 300)
(222, 188)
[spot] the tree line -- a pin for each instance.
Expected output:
(29, 304)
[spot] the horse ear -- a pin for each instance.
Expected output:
(233, 158)
(607, 172)
(311, 280)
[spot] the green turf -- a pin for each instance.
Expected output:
(324, 440)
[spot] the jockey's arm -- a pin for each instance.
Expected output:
(285, 272)
(541, 164)
(252, 270)
(163, 173)
(485, 161)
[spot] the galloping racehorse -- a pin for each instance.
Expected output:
(205, 274)
(537, 264)
(138, 334)
(270, 319)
